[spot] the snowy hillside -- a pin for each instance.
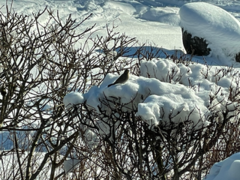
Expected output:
(172, 88)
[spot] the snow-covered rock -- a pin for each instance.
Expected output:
(219, 28)
(195, 45)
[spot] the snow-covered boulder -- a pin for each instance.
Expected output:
(227, 169)
(213, 26)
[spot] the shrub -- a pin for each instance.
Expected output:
(41, 64)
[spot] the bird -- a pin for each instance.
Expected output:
(122, 79)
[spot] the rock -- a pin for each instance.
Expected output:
(208, 29)
(195, 45)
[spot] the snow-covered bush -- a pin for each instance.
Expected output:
(172, 119)
(171, 123)
(36, 68)
(40, 64)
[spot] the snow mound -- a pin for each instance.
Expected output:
(217, 26)
(165, 15)
(72, 98)
(172, 107)
(226, 169)
(166, 91)
(154, 100)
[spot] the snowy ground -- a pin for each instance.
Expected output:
(156, 23)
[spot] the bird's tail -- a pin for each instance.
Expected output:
(110, 85)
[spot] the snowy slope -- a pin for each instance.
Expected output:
(157, 23)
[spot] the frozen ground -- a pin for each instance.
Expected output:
(156, 23)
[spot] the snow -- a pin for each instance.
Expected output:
(138, 87)
(174, 106)
(164, 87)
(165, 15)
(73, 98)
(217, 26)
(157, 99)
(226, 169)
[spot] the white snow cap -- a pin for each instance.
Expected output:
(217, 26)
(73, 98)
(153, 99)
(227, 169)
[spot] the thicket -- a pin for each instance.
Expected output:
(41, 63)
